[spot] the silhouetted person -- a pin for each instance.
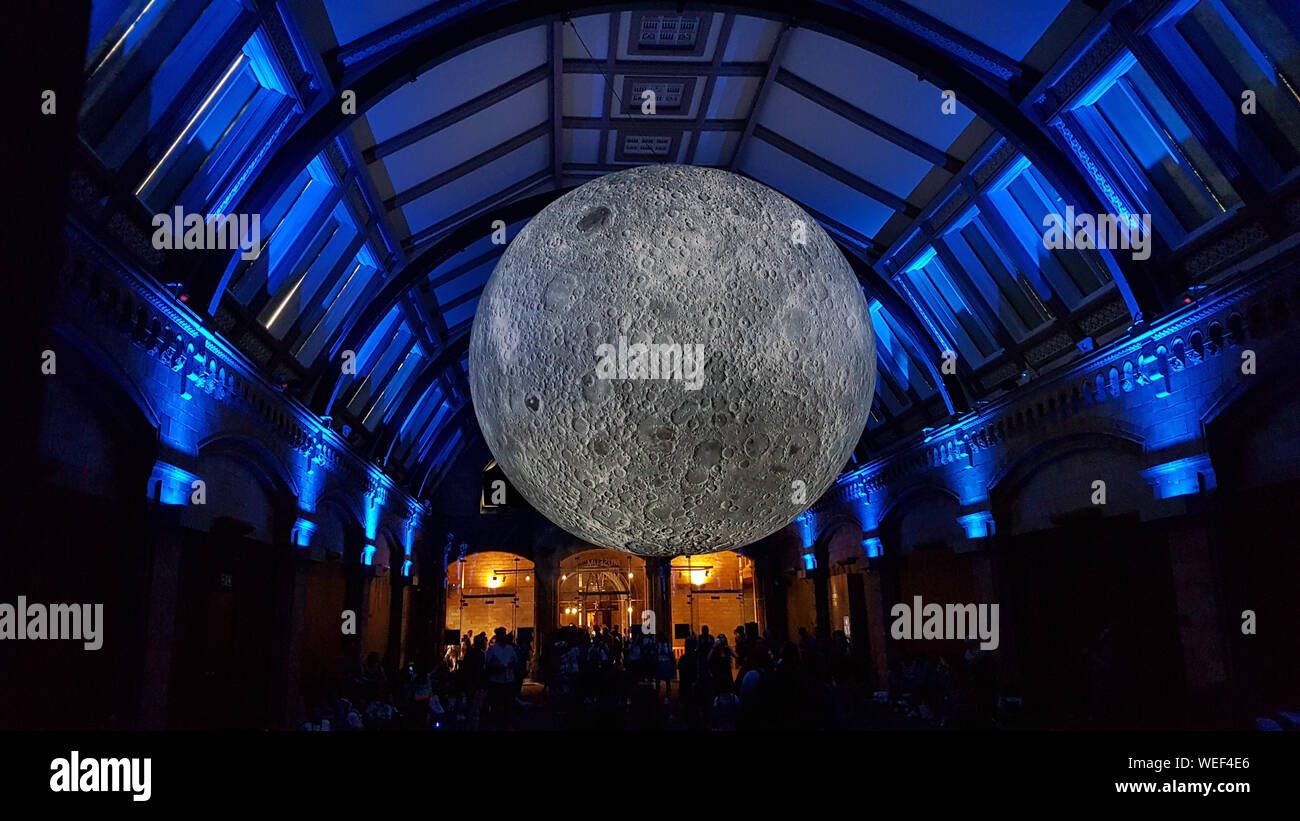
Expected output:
(720, 666)
(523, 653)
(419, 690)
(984, 688)
(688, 678)
(500, 662)
(372, 679)
(807, 648)
(474, 681)
(665, 666)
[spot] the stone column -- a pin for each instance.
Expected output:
(1184, 491)
(1201, 614)
(546, 591)
(397, 616)
(168, 491)
(856, 591)
(290, 612)
(821, 575)
(877, 619)
(883, 587)
(356, 597)
(433, 578)
(428, 600)
(769, 579)
(659, 593)
(984, 545)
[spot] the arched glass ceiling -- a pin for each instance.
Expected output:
(364, 241)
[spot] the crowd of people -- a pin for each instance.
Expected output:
(606, 679)
(588, 678)
(475, 685)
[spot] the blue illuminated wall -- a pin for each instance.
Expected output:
(1134, 412)
(213, 411)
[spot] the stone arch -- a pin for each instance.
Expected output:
(514, 550)
(345, 500)
(839, 539)
(97, 442)
(256, 455)
(1246, 430)
(1236, 329)
(391, 546)
(103, 371)
(1217, 340)
(836, 521)
(217, 456)
(491, 588)
(98, 434)
(595, 581)
(339, 528)
(615, 571)
(922, 515)
(1251, 438)
(1113, 456)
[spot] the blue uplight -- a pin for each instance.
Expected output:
(977, 525)
(805, 521)
(170, 485)
(1181, 477)
(302, 532)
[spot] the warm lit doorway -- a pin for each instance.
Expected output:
(715, 589)
(601, 588)
(490, 590)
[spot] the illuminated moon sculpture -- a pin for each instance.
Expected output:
(672, 360)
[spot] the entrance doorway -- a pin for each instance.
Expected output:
(490, 590)
(602, 589)
(714, 590)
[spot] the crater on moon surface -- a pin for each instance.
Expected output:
(687, 256)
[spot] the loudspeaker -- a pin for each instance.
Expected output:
(451, 637)
(681, 631)
(751, 630)
(524, 635)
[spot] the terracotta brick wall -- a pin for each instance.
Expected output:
(706, 603)
(469, 583)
